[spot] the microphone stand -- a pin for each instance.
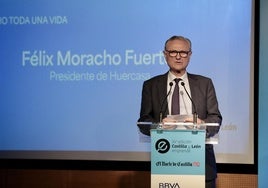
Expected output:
(161, 108)
(195, 115)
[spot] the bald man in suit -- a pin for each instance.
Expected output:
(154, 102)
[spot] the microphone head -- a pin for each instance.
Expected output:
(182, 83)
(170, 84)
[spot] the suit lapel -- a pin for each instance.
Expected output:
(162, 93)
(193, 83)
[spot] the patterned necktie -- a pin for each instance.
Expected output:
(175, 105)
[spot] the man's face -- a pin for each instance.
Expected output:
(177, 62)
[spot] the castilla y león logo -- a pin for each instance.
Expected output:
(162, 146)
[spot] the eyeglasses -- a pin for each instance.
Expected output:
(174, 53)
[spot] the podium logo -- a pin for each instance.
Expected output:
(169, 185)
(162, 146)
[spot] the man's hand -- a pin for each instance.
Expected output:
(190, 120)
(169, 120)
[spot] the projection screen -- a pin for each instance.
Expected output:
(72, 73)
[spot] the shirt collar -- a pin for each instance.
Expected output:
(171, 76)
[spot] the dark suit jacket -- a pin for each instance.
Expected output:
(204, 97)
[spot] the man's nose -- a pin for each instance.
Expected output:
(178, 56)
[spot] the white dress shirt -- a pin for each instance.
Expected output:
(185, 102)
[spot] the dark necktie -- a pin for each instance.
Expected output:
(175, 105)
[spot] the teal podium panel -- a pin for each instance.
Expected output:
(177, 158)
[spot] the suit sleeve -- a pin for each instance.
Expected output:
(213, 113)
(146, 111)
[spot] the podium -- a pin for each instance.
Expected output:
(178, 153)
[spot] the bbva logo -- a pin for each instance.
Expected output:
(169, 185)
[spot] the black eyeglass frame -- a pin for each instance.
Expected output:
(174, 53)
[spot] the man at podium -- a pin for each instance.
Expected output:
(178, 92)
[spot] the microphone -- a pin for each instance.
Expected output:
(162, 104)
(195, 116)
